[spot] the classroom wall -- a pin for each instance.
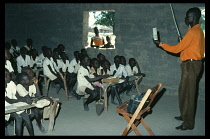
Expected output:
(53, 23)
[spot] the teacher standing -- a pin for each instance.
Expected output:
(191, 49)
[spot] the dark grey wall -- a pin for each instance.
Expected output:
(51, 24)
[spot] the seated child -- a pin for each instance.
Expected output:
(109, 44)
(100, 58)
(95, 67)
(73, 65)
(23, 60)
(28, 86)
(41, 57)
(73, 69)
(85, 85)
(70, 79)
(8, 65)
(12, 97)
(34, 58)
(50, 71)
(106, 71)
(133, 69)
(124, 85)
(37, 113)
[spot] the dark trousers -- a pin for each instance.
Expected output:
(187, 91)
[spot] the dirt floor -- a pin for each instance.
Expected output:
(72, 120)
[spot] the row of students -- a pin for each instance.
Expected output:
(52, 67)
(91, 70)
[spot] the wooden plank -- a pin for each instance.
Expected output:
(52, 116)
(27, 106)
(19, 108)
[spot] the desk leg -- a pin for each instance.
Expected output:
(52, 116)
(105, 97)
(137, 86)
(117, 95)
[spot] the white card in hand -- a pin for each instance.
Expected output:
(155, 35)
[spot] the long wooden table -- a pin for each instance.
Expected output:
(53, 107)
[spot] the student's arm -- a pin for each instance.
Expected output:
(96, 78)
(103, 41)
(91, 43)
(51, 70)
(38, 93)
(139, 71)
(26, 98)
(13, 76)
(20, 99)
(11, 101)
(114, 72)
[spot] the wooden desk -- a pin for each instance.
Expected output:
(105, 85)
(28, 106)
(136, 79)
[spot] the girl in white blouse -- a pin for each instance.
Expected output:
(85, 86)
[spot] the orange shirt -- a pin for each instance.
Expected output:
(192, 45)
(98, 40)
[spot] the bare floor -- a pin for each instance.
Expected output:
(72, 120)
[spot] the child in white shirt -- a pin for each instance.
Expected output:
(70, 81)
(34, 58)
(23, 60)
(133, 69)
(85, 82)
(8, 64)
(49, 70)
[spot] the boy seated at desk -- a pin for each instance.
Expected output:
(85, 85)
(34, 58)
(23, 60)
(119, 71)
(12, 97)
(8, 64)
(106, 71)
(37, 113)
(73, 68)
(28, 87)
(50, 71)
(133, 69)
(70, 78)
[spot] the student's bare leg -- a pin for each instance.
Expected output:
(38, 117)
(60, 82)
(28, 123)
(111, 90)
(18, 123)
(93, 96)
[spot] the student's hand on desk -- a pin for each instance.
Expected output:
(27, 100)
(105, 76)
